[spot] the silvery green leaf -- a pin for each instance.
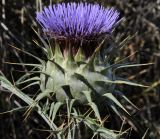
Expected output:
(55, 110)
(31, 84)
(92, 104)
(51, 109)
(121, 81)
(107, 134)
(28, 80)
(43, 94)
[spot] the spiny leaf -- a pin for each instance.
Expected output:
(43, 48)
(112, 98)
(88, 96)
(123, 96)
(15, 109)
(46, 107)
(97, 128)
(109, 136)
(68, 110)
(92, 104)
(75, 114)
(132, 65)
(126, 65)
(114, 108)
(37, 58)
(43, 94)
(122, 81)
(42, 40)
(28, 80)
(3, 79)
(25, 76)
(31, 84)
(17, 92)
(55, 110)
(89, 122)
(41, 72)
(70, 103)
(125, 81)
(95, 109)
(113, 66)
(51, 109)
(107, 133)
(24, 64)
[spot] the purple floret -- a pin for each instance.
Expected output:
(77, 20)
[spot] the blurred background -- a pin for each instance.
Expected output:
(141, 19)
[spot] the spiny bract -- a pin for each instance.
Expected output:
(70, 77)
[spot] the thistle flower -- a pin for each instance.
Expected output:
(71, 85)
(77, 21)
(78, 25)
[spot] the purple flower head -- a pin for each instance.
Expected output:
(77, 21)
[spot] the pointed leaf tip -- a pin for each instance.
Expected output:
(57, 52)
(79, 55)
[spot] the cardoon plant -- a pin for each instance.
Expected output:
(76, 79)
